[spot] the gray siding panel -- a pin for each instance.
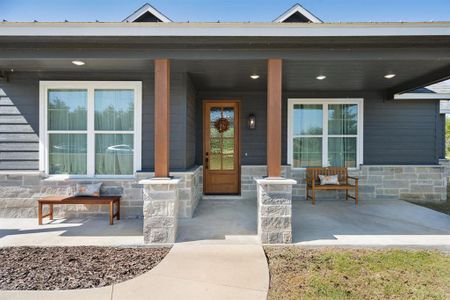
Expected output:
(441, 136)
(19, 104)
(395, 132)
(19, 165)
(253, 142)
(191, 124)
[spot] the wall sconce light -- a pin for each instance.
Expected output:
(251, 121)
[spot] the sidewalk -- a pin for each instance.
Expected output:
(189, 271)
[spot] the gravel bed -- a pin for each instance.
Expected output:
(64, 268)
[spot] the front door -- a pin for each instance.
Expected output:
(221, 168)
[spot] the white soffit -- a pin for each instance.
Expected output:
(147, 8)
(300, 9)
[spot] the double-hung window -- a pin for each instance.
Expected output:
(325, 132)
(90, 128)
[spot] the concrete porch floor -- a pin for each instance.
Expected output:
(332, 223)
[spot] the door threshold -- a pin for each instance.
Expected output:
(222, 197)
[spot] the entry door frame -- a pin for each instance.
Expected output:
(237, 120)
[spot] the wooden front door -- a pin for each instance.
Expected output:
(221, 163)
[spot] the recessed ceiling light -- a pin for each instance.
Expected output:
(321, 77)
(389, 76)
(254, 76)
(78, 62)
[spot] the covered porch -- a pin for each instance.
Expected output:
(395, 156)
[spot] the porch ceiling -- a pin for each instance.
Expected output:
(298, 75)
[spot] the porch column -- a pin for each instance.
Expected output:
(160, 193)
(162, 117)
(274, 69)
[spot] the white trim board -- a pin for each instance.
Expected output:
(325, 102)
(225, 29)
(424, 96)
(300, 9)
(147, 8)
(90, 86)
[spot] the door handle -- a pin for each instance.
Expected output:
(206, 160)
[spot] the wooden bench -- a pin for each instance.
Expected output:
(62, 200)
(313, 182)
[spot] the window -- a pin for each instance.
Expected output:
(325, 132)
(90, 128)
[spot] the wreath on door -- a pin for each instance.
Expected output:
(222, 125)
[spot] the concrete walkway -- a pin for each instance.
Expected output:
(189, 271)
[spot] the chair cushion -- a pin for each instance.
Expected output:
(88, 190)
(329, 179)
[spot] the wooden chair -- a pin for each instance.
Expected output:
(313, 182)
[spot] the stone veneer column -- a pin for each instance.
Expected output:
(274, 198)
(160, 210)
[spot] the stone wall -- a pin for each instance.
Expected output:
(249, 173)
(415, 183)
(19, 193)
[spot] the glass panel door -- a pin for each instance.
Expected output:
(221, 138)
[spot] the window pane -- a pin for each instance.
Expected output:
(228, 113)
(228, 146)
(67, 109)
(308, 119)
(67, 153)
(215, 114)
(114, 154)
(342, 152)
(342, 119)
(215, 162)
(215, 145)
(228, 162)
(114, 110)
(307, 152)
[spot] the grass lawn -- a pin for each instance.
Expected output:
(330, 273)
(441, 207)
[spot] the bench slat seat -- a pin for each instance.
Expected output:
(313, 182)
(102, 200)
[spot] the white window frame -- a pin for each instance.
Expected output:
(90, 86)
(325, 102)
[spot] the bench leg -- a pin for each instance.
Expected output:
(40, 213)
(51, 212)
(346, 195)
(313, 197)
(118, 210)
(356, 195)
(111, 213)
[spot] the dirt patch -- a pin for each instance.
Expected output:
(63, 268)
(299, 273)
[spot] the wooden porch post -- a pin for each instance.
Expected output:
(274, 71)
(162, 117)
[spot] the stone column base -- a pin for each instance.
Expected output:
(274, 198)
(160, 210)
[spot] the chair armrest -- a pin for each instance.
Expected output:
(354, 178)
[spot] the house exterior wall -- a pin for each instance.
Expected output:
(395, 132)
(19, 118)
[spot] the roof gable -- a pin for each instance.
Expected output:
(297, 14)
(147, 13)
